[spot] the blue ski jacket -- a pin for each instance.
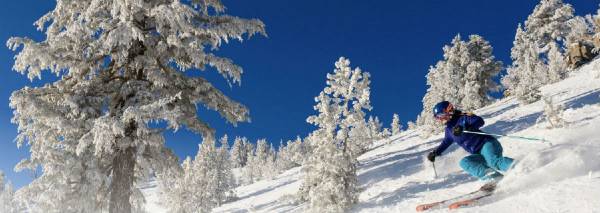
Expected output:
(472, 143)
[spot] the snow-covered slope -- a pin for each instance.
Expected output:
(560, 176)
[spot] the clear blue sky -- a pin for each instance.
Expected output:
(396, 41)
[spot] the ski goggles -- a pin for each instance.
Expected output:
(446, 114)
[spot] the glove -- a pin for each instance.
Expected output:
(431, 156)
(457, 130)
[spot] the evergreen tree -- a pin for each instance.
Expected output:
(553, 113)
(8, 203)
(594, 21)
(411, 125)
(465, 77)
(204, 183)
(249, 147)
(270, 167)
(385, 133)
(262, 151)
(284, 156)
(297, 150)
(527, 72)
(282, 160)
(557, 66)
(239, 154)
(178, 189)
(329, 174)
(120, 65)
(537, 53)
(262, 164)
(549, 22)
(582, 30)
(224, 174)
(375, 130)
(360, 136)
(251, 173)
(481, 67)
(396, 126)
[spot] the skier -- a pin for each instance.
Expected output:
(486, 158)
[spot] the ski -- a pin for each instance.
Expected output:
(467, 202)
(459, 201)
(486, 190)
(443, 203)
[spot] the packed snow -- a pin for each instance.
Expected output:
(559, 175)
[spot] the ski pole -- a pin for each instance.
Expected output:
(508, 136)
(434, 172)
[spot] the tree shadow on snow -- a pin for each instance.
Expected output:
(500, 111)
(510, 126)
(270, 188)
(506, 127)
(411, 189)
(402, 138)
(391, 156)
(394, 167)
(273, 206)
(587, 98)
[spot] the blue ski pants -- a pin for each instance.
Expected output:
(487, 162)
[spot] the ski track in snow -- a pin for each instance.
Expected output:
(562, 175)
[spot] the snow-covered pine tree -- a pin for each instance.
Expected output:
(464, 77)
(445, 81)
(178, 188)
(284, 156)
(385, 133)
(411, 125)
(270, 168)
(538, 50)
(226, 181)
(431, 97)
(8, 203)
(262, 150)
(549, 23)
(557, 66)
(451, 77)
(250, 173)
(553, 113)
(435, 93)
(239, 154)
(527, 72)
(594, 21)
(206, 182)
(120, 65)
(360, 136)
(297, 151)
(375, 129)
(261, 158)
(582, 30)
(282, 160)
(396, 126)
(249, 147)
(481, 68)
(329, 174)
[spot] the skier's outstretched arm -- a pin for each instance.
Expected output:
(443, 146)
(440, 149)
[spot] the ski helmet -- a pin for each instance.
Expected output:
(443, 110)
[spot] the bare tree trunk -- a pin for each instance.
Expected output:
(123, 164)
(122, 181)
